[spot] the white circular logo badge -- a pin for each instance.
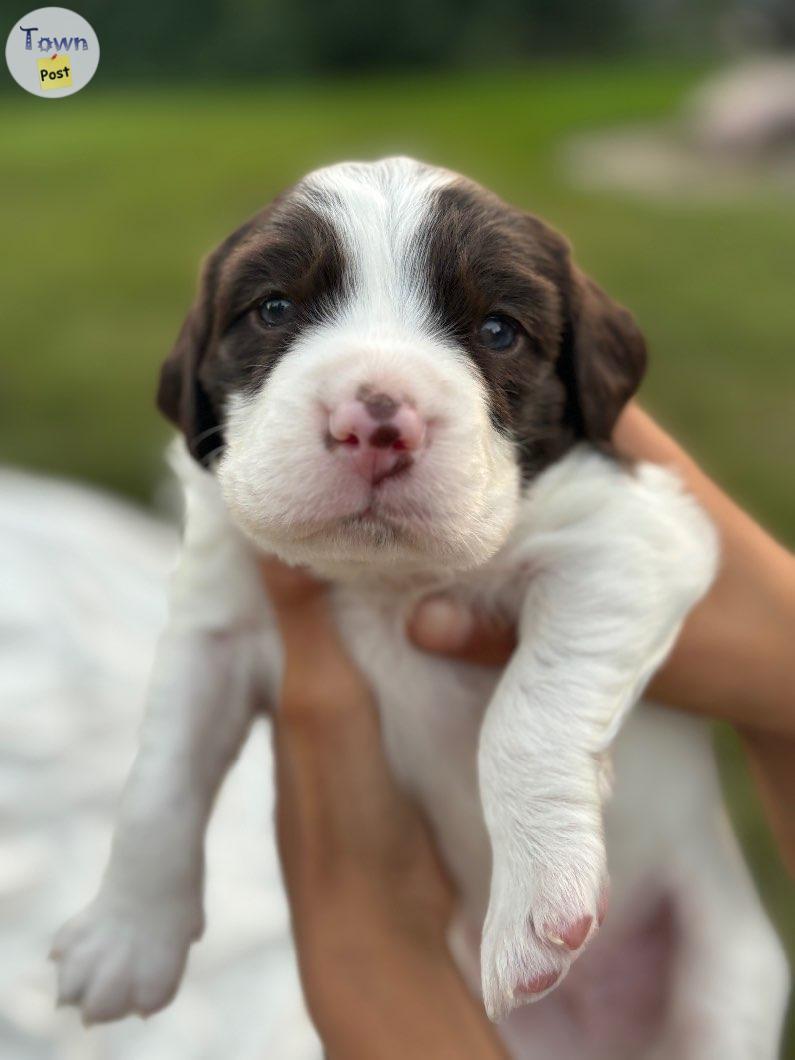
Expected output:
(52, 52)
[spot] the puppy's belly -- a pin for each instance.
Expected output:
(614, 1001)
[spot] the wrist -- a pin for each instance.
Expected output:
(368, 943)
(387, 995)
(365, 979)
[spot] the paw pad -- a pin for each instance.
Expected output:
(572, 936)
(538, 984)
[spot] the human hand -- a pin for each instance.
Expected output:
(369, 899)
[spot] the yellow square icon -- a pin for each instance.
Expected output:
(55, 72)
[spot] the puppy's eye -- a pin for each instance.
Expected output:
(498, 332)
(276, 310)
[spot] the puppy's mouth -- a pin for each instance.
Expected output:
(367, 513)
(382, 526)
(371, 518)
(398, 516)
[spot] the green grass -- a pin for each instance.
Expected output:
(110, 200)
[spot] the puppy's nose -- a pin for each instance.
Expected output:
(378, 434)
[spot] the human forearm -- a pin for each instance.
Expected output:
(734, 658)
(375, 994)
(772, 761)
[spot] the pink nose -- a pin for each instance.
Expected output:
(377, 434)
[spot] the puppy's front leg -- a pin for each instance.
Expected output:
(126, 951)
(612, 589)
(539, 769)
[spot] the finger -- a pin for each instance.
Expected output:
(301, 609)
(446, 626)
(320, 685)
(289, 586)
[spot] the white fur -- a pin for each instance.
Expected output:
(376, 212)
(599, 566)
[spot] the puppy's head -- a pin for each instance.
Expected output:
(378, 361)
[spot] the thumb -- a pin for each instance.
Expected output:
(446, 626)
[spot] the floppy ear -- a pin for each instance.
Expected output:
(181, 395)
(603, 357)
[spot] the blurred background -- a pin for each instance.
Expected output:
(658, 135)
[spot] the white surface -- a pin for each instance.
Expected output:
(81, 601)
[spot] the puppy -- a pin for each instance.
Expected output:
(394, 377)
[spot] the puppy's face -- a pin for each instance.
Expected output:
(379, 360)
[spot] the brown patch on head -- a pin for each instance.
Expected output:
(288, 250)
(579, 356)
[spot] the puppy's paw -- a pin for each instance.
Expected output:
(120, 956)
(542, 913)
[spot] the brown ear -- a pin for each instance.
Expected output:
(181, 395)
(604, 357)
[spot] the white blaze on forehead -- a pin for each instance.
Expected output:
(378, 211)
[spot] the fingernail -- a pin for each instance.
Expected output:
(441, 624)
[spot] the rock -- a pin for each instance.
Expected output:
(747, 112)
